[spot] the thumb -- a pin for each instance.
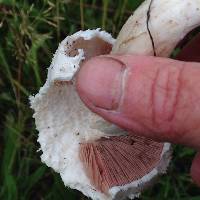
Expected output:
(153, 97)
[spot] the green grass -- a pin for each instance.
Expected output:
(29, 34)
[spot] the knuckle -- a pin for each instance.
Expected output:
(165, 94)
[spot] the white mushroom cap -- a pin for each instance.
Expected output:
(65, 123)
(169, 22)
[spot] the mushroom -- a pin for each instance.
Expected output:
(157, 26)
(93, 156)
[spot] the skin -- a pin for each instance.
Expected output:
(155, 97)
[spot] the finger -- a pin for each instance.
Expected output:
(195, 169)
(191, 52)
(153, 97)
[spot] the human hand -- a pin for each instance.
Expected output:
(154, 97)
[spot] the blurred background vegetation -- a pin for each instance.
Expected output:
(29, 35)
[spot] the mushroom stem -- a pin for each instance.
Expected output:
(162, 23)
